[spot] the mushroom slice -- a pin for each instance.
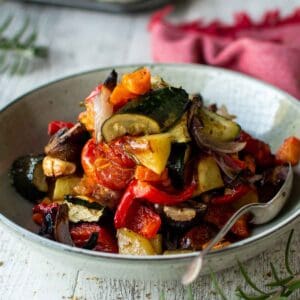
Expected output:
(66, 144)
(184, 215)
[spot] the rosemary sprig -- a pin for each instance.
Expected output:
(18, 50)
(281, 288)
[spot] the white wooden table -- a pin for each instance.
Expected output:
(79, 41)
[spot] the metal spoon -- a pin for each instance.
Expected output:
(262, 213)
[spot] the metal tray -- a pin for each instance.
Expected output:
(116, 6)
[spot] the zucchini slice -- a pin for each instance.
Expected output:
(28, 177)
(208, 175)
(132, 124)
(179, 132)
(151, 151)
(218, 127)
(166, 106)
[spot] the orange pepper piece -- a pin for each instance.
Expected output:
(138, 82)
(144, 174)
(289, 151)
(120, 95)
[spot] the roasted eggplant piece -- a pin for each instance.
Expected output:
(196, 237)
(66, 144)
(82, 209)
(176, 164)
(185, 215)
(28, 177)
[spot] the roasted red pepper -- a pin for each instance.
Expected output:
(220, 214)
(235, 194)
(106, 241)
(258, 149)
(144, 190)
(143, 220)
(54, 126)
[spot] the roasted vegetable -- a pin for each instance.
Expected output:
(144, 190)
(28, 177)
(151, 151)
(54, 167)
(206, 128)
(179, 133)
(81, 233)
(83, 201)
(66, 144)
(132, 243)
(156, 243)
(289, 151)
(64, 186)
(217, 127)
(166, 106)
(219, 214)
(196, 237)
(81, 209)
(132, 124)
(54, 126)
(143, 220)
(61, 229)
(185, 215)
(208, 175)
(176, 164)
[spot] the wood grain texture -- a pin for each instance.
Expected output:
(83, 40)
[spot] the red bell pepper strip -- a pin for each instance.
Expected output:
(144, 190)
(54, 126)
(236, 194)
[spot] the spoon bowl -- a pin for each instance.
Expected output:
(261, 212)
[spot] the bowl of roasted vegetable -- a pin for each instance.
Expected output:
(130, 171)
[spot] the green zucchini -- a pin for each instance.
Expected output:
(217, 127)
(166, 106)
(178, 157)
(132, 124)
(83, 200)
(28, 177)
(208, 175)
(179, 132)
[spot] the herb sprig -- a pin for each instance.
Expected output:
(18, 50)
(278, 289)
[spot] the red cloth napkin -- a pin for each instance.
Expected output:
(268, 50)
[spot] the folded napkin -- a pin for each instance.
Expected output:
(268, 50)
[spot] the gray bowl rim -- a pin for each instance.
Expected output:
(33, 237)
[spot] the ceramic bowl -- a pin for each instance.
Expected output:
(262, 110)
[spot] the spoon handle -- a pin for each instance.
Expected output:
(196, 265)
